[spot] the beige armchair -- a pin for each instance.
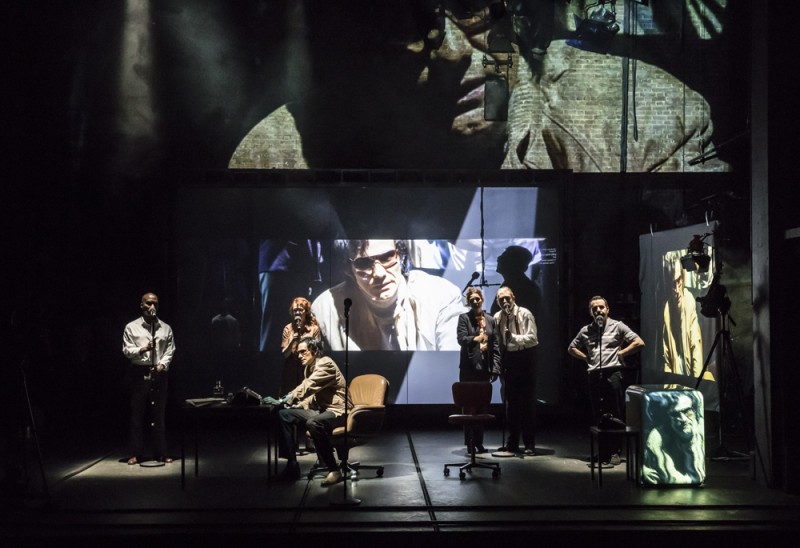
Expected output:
(364, 422)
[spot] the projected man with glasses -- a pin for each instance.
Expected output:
(392, 308)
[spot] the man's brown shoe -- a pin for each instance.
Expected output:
(332, 478)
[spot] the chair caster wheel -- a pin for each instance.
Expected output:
(495, 474)
(379, 472)
(446, 471)
(462, 476)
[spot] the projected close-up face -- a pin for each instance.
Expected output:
(677, 334)
(683, 418)
(377, 271)
(399, 296)
(677, 284)
(456, 84)
(458, 64)
(431, 76)
(674, 434)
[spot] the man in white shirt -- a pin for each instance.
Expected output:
(149, 345)
(518, 339)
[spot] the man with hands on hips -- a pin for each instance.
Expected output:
(603, 345)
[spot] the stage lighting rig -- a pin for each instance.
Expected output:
(599, 25)
(696, 258)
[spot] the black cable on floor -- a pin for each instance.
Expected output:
(425, 494)
(80, 470)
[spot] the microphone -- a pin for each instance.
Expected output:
(348, 302)
(507, 308)
(474, 277)
(600, 321)
(298, 322)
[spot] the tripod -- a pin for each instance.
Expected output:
(727, 367)
(31, 427)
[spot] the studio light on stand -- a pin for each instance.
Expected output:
(696, 259)
(599, 25)
(717, 304)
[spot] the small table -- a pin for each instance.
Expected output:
(226, 412)
(631, 452)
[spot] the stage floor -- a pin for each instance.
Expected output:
(548, 495)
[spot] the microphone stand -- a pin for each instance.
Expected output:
(299, 326)
(154, 355)
(600, 385)
(49, 503)
(346, 500)
(152, 376)
(600, 365)
(503, 451)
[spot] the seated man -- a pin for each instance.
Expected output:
(317, 404)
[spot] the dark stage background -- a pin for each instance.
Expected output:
(115, 105)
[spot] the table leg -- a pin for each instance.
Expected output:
(196, 450)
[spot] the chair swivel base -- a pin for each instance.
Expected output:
(464, 467)
(350, 468)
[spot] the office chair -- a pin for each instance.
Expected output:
(472, 397)
(364, 422)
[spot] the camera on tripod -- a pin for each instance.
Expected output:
(716, 301)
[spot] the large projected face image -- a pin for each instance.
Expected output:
(399, 294)
(391, 302)
(419, 84)
(682, 339)
(387, 304)
(673, 431)
(671, 311)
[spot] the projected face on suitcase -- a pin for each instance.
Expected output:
(673, 434)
